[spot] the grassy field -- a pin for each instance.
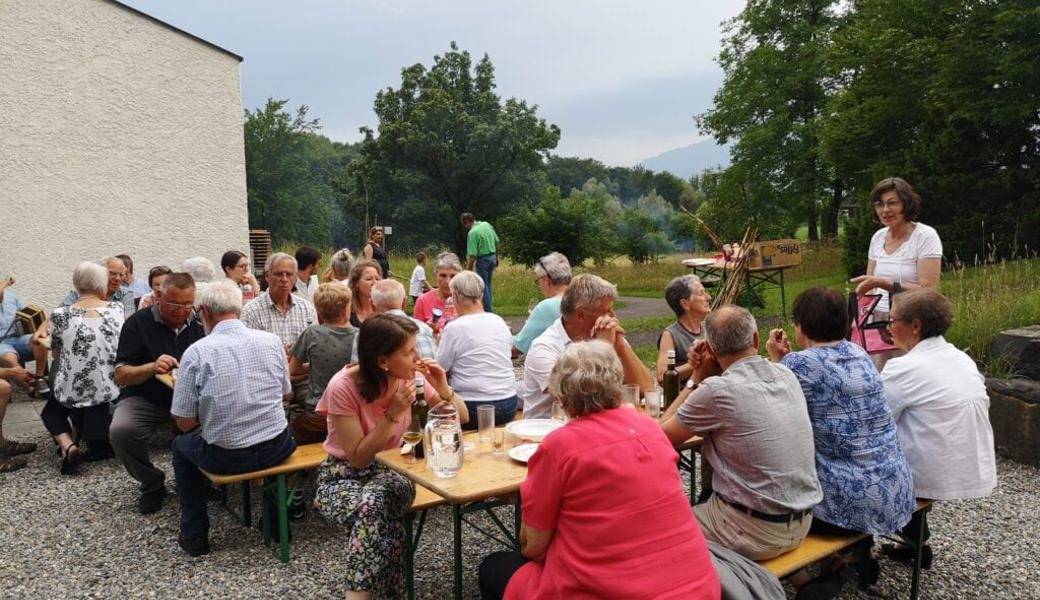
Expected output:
(987, 299)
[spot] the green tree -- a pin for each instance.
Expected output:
(446, 144)
(578, 227)
(774, 93)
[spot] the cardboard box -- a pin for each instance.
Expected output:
(776, 253)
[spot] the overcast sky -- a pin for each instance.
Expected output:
(622, 79)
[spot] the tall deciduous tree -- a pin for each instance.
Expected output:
(446, 143)
(774, 93)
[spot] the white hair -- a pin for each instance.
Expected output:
(555, 266)
(277, 257)
(586, 290)
(468, 285)
(387, 294)
(730, 330)
(200, 268)
(90, 278)
(221, 297)
(447, 260)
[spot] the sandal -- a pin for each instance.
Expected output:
(71, 460)
(13, 448)
(12, 463)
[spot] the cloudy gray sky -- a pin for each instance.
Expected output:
(621, 78)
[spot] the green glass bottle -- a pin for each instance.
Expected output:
(671, 383)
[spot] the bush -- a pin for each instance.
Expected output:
(577, 227)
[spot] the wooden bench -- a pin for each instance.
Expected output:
(817, 547)
(307, 457)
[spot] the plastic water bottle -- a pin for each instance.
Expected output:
(444, 455)
(247, 293)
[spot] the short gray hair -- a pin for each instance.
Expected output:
(341, 262)
(555, 266)
(587, 378)
(90, 278)
(586, 290)
(221, 297)
(278, 257)
(447, 260)
(730, 330)
(926, 305)
(200, 268)
(468, 285)
(680, 289)
(387, 294)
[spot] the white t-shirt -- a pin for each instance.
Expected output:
(415, 287)
(941, 410)
(306, 289)
(476, 352)
(901, 266)
(538, 363)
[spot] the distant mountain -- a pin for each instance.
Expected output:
(690, 160)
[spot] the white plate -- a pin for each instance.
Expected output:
(532, 429)
(523, 452)
(698, 262)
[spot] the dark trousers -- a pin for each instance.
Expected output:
(88, 423)
(505, 411)
(495, 571)
(485, 267)
(191, 453)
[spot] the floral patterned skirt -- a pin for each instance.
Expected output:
(371, 504)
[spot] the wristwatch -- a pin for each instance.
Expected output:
(691, 384)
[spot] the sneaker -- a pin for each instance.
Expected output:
(151, 502)
(40, 389)
(12, 463)
(194, 545)
(13, 448)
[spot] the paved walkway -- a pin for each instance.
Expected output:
(23, 416)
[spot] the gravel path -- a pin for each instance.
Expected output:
(81, 537)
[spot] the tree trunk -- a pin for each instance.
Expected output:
(811, 220)
(830, 224)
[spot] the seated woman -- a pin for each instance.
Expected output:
(553, 274)
(84, 339)
(368, 409)
(604, 514)
(690, 302)
(362, 275)
(940, 406)
(866, 482)
(236, 268)
(156, 275)
(445, 267)
(339, 267)
(475, 351)
(321, 350)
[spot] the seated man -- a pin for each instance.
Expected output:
(116, 291)
(151, 343)
(10, 449)
(388, 297)
(228, 403)
(16, 349)
(586, 312)
(757, 437)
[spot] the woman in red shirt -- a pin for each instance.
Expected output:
(604, 513)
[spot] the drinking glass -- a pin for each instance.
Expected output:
(498, 440)
(631, 394)
(653, 402)
(415, 439)
(485, 422)
(558, 412)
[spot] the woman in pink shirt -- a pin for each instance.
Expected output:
(368, 408)
(604, 513)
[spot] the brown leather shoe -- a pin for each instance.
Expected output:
(13, 448)
(12, 463)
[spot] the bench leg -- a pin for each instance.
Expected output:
(915, 578)
(456, 518)
(283, 518)
(247, 506)
(516, 523)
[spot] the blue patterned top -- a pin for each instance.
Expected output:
(867, 485)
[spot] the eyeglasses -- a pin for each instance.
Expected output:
(283, 275)
(177, 306)
(889, 204)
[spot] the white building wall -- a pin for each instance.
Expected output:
(118, 134)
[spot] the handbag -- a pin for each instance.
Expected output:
(868, 330)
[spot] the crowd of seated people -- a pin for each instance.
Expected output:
(814, 440)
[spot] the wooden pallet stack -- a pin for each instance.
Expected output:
(259, 248)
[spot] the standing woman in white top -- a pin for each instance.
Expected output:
(904, 254)
(475, 350)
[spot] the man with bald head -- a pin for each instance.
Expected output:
(388, 296)
(757, 437)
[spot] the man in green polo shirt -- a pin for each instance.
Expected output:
(481, 252)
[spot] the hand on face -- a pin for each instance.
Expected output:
(434, 373)
(607, 328)
(402, 400)
(703, 361)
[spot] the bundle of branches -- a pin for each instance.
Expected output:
(734, 281)
(707, 230)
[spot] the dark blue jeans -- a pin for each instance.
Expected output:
(485, 267)
(191, 453)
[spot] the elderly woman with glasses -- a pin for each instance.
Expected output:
(435, 301)
(940, 406)
(552, 276)
(904, 254)
(474, 350)
(691, 303)
(602, 501)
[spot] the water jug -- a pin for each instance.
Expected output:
(444, 441)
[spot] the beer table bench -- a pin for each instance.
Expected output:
(485, 482)
(818, 547)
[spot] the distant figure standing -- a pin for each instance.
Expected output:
(481, 252)
(417, 285)
(307, 260)
(374, 250)
(136, 285)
